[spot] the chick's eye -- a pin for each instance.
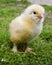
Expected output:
(34, 12)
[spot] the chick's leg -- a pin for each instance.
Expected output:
(14, 49)
(28, 49)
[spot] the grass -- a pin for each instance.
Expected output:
(42, 45)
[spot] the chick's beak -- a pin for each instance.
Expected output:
(39, 16)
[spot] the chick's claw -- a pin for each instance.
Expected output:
(15, 50)
(28, 49)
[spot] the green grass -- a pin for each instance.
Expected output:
(42, 45)
(49, 8)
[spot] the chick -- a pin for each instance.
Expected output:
(26, 27)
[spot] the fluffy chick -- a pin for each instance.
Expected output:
(26, 27)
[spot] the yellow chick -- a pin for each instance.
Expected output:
(26, 27)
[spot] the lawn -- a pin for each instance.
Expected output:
(42, 45)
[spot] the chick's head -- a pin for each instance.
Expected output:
(35, 12)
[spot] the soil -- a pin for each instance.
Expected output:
(42, 2)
